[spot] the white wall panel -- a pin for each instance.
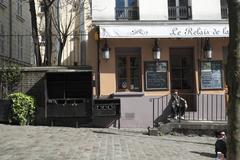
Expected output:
(153, 9)
(206, 10)
(103, 9)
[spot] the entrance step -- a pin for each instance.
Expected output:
(200, 128)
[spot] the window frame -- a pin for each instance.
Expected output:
(20, 47)
(128, 72)
(19, 8)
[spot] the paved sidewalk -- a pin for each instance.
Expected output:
(62, 143)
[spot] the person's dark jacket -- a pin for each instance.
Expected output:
(221, 146)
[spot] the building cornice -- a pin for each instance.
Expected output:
(167, 22)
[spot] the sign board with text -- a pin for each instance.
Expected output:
(164, 31)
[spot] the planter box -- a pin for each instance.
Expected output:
(5, 108)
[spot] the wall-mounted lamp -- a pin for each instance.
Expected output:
(106, 51)
(156, 51)
(207, 50)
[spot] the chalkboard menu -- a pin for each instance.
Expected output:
(211, 75)
(156, 75)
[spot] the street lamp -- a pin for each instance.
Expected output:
(207, 50)
(156, 51)
(106, 51)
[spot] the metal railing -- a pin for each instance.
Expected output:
(201, 107)
(224, 12)
(127, 13)
(180, 12)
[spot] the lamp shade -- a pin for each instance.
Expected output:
(156, 53)
(207, 50)
(208, 53)
(106, 53)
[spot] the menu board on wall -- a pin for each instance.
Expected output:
(211, 75)
(156, 75)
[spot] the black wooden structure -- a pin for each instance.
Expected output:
(69, 100)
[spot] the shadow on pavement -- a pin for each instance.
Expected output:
(104, 132)
(189, 142)
(205, 154)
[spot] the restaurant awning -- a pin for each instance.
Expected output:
(164, 31)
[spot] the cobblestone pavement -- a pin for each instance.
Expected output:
(62, 143)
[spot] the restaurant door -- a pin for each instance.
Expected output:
(182, 74)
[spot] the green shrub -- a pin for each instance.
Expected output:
(23, 108)
(10, 76)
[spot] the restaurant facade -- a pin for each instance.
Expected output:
(143, 50)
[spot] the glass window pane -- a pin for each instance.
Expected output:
(134, 73)
(122, 67)
(183, 2)
(171, 3)
(120, 3)
(122, 83)
(176, 84)
(135, 84)
(187, 84)
(132, 3)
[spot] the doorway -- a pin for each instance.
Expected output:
(182, 74)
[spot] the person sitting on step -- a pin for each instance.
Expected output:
(179, 105)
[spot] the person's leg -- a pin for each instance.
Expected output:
(182, 112)
(183, 109)
(174, 112)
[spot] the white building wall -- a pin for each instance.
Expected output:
(206, 10)
(103, 9)
(158, 9)
(153, 9)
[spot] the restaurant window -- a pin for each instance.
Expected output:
(211, 75)
(128, 72)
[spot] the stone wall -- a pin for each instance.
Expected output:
(33, 84)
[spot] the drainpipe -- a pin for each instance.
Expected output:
(98, 67)
(10, 28)
(83, 34)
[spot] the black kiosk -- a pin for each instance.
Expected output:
(69, 100)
